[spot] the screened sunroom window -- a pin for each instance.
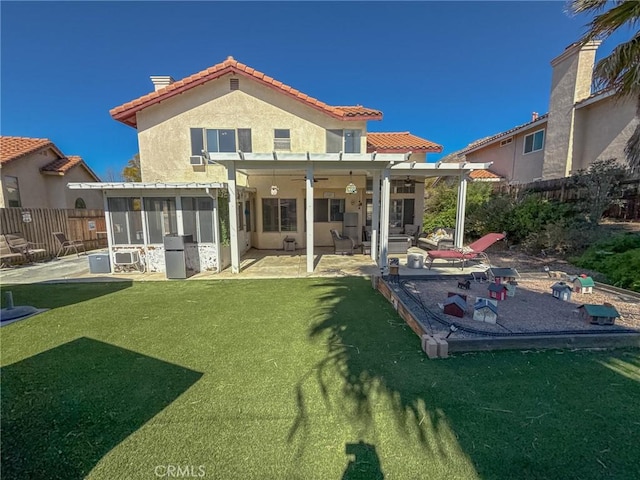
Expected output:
(197, 218)
(161, 218)
(126, 221)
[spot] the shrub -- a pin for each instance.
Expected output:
(617, 258)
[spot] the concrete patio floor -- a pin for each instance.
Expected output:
(254, 264)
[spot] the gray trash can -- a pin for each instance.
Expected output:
(99, 263)
(415, 260)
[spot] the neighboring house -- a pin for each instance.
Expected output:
(283, 163)
(580, 127)
(35, 173)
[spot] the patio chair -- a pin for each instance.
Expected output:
(21, 245)
(474, 250)
(342, 244)
(7, 256)
(68, 245)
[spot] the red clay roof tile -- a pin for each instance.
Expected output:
(126, 112)
(395, 142)
(16, 147)
(484, 175)
(62, 165)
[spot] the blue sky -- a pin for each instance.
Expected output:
(451, 72)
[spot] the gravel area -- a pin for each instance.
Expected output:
(532, 310)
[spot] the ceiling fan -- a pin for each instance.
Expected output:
(315, 179)
(409, 182)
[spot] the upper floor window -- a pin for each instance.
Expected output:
(213, 140)
(282, 139)
(346, 141)
(534, 141)
(13, 191)
(80, 203)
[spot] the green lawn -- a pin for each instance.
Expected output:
(293, 379)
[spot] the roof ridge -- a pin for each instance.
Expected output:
(126, 112)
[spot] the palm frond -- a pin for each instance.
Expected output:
(588, 6)
(620, 70)
(625, 13)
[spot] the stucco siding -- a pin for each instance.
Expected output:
(164, 136)
(31, 183)
(602, 131)
(510, 161)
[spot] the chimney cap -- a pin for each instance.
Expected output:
(534, 116)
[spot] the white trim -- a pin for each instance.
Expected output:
(524, 141)
(501, 136)
(140, 185)
(594, 99)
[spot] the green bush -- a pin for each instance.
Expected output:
(617, 258)
(441, 202)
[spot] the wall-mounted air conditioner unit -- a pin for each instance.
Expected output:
(196, 160)
(126, 258)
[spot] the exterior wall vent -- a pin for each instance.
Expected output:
(506, 141)
(234, 83)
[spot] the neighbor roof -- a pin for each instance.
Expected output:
(485, 141)
(485, 175)
(126, 113)
(392, 142)
(12, 148)
(62, 165)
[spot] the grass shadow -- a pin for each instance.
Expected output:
(65, 408)
(40, 295)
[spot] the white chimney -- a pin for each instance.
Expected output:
(161, 81)
(534, 116)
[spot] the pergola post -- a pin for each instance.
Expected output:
(375, 219)
(384, 221)
(460, 211)
(309, 217)
(233, 220)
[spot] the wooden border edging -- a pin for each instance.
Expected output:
(403, 310)
(587, 340)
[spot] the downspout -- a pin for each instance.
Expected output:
(216, 226)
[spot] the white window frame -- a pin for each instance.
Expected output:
(533, 134)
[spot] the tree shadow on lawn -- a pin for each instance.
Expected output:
(65, 408)
(535, 414)
(55, 295)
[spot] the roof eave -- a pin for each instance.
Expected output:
(506, 134)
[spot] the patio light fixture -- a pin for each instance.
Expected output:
(274, 187)
(351, 188)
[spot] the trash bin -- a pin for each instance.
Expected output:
(415, 260)
(99, 263)
(175, 258)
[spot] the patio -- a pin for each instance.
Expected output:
(254, 264)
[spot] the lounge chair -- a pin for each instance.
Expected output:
(21, 245)
(474, 250)
(7, 256)
(342, 244)
(68, 245)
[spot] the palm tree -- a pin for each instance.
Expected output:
(619, 71)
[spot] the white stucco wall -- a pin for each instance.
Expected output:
(164, 136)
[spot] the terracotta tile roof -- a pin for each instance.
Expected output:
(62, 165)
(394, 142)
(493, 138)
(12, 148)
(484, 175)
(126, 113)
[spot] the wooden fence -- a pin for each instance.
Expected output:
(38, 224)
(626, 206)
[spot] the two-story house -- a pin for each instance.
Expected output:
(240, 160)
(35, 173)
(579, 128)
